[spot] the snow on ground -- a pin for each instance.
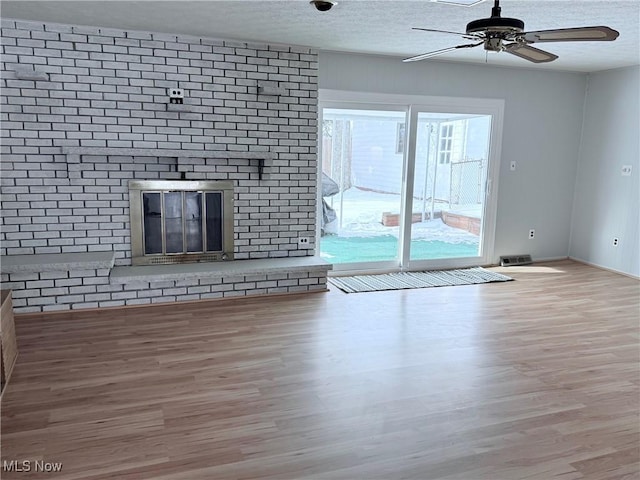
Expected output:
(361, 216)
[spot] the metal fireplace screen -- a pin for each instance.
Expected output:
(180, 221)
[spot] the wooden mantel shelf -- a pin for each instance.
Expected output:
(74, 154)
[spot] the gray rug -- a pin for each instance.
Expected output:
(402, 280)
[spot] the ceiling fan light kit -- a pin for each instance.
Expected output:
(503, 34)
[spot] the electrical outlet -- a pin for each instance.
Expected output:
(303, 242)
(532, 234)
(616, 241)
(513, 166)
(626, 170)
(176, 95)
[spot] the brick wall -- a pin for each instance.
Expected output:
(108, 88)
(92, 288)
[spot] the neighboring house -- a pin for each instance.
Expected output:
(451, 156)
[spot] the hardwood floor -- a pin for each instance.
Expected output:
(533, 379)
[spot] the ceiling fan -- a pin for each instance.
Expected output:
(502, 34)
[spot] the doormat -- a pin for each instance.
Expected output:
(403, 280)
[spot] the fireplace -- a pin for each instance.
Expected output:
(181, 221)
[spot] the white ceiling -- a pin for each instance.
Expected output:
(365, 26)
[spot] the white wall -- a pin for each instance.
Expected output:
(543, 119)
(607, 205)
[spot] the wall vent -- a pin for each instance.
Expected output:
(510, 260)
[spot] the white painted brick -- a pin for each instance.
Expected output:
(40, 284)
(54, 291)
(41, 301)
(93, 297)
(301, 288)
(111, 303)
(138, 301)
(76, 306)
(163, 300)
(149, 293)
(21, 277)
(234, 293)
(21, 309)
(56, 308)
(212, 295)
(187, 298)
(70, 299)
(27, 293)
(13, 285)
(277, 290)
(99, 96)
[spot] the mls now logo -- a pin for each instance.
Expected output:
(31, 466)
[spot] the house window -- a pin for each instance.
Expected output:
(400, 133)
(446, 142)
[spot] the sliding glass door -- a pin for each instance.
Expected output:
(362, 172)
(406, 185)
(450, 170)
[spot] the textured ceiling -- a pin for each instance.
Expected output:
(365, 26)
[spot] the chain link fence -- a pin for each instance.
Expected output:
(467, 180)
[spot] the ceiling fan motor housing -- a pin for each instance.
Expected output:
(496, 24)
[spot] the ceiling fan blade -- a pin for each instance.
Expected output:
(438, 31)
(530, 53)
(438, 52)
(580, 34)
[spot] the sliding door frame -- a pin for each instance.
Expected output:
(413, 105)
(369, 267)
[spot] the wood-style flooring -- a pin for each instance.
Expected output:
(533, 379)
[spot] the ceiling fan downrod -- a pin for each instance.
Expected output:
(495, 11)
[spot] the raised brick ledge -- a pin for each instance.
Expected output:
(55, 262)
(188, 271)
(165, 152)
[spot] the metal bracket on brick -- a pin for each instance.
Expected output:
(260, 168)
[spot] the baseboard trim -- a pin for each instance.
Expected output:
(601, 267)
(550, 259)
(381, 271)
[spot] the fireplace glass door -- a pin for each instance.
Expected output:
(152, 222)
(213, 206)
(193, 221)
(181, 225)
(180, 229)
